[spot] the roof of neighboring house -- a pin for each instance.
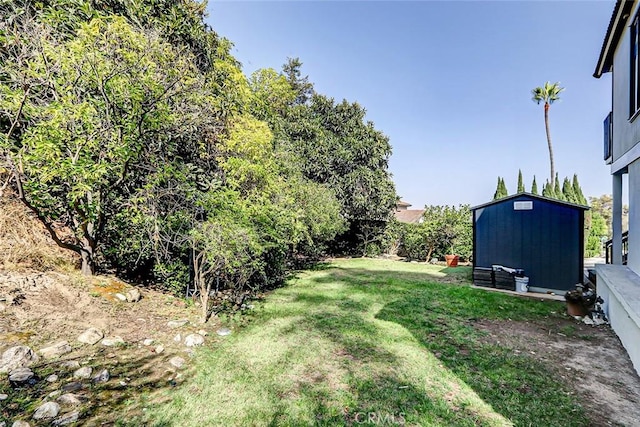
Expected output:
(409, 215)
(532, 196)
(617, 23)
(401, 204)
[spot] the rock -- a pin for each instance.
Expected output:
(121, 297)
(4, 396)
(47, 410)
(223, 332)
(177, 362)
(69, 399)
(21, 376)
(54, 394)
(55, 350)
(203, 332)
(51, 378)
(194, 340)
(83, 373)
(20, 423)
(66, 419)
(91, 336)
(148, 341)
(111, 341)
(70, 364)
(17, 357)
(159, 349)
(177, 323)
(133, 295)
(177, 338)
(102, 377)
(72, 386)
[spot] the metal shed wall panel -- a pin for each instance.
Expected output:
(545, 241)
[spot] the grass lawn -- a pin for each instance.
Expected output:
(372, 342)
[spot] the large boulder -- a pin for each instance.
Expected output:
(17, 357)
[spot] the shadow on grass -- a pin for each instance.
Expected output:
(518, 386)
(441, 315)
(102, 403)
(352, 372)
(379, 398)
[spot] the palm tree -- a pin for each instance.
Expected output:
(548, 93)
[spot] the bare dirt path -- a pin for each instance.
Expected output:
(591, 359)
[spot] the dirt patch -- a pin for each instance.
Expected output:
(41, 308)
(591, 360)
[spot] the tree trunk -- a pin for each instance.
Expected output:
(88, 265)
(546, 126)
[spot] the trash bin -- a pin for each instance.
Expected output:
(522, 284)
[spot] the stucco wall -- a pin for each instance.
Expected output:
(625, 133)
(633, 260)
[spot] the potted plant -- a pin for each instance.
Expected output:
(579, 300)
(451, 258)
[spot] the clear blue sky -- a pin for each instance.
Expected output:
(449, 83)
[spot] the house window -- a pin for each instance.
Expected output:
(634, 92)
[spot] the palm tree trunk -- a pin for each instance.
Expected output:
(546, 126)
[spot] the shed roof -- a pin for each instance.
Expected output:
(403, 204)
(616, 27)
(532, 196)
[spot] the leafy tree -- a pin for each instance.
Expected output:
(597, 233)
(603, 206)
(301, 86)
(520, 183)
(534, 186)
(445, 230)
(548, 94)
(272, 95)
(332, 144)
(78, 141)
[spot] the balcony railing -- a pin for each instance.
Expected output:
(608, 247)
(608, 135)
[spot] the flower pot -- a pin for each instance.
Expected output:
(576, 309)
(452, 260)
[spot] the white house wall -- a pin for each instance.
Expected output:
(633, 260)
(626, 134)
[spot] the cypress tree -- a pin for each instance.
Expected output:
(547, 190)
(534, 186)
(520, 184)
(557, 190)
(496, 195)
(501, 190)
(567, 191)
(504, 192)
(577, 190)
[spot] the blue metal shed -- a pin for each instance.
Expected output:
(543, 236)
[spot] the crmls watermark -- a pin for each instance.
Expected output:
(379, 418)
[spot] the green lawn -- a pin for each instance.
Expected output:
(372, 342)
